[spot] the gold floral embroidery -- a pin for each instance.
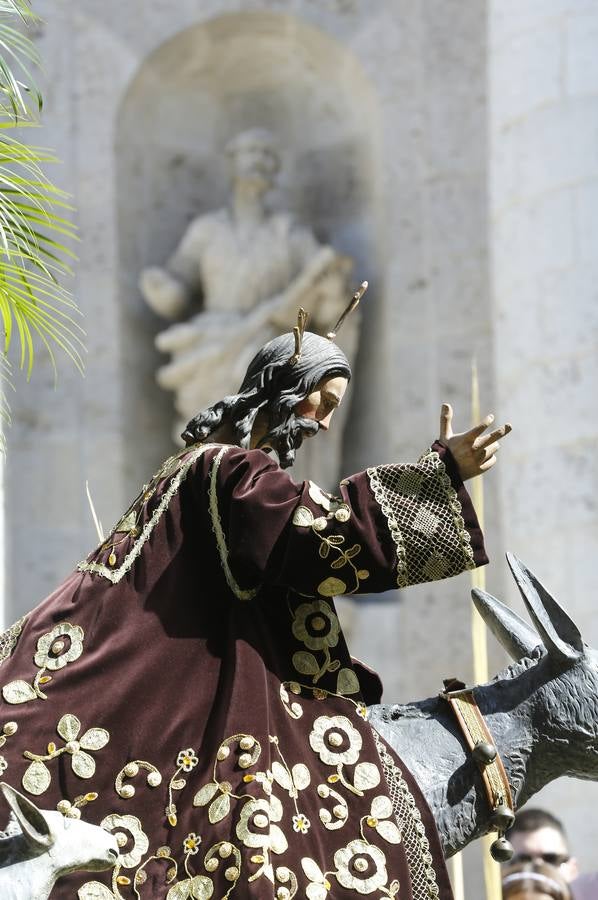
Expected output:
(339, 744)
(334, 506)
(53, 652)
(126, 791)
(8, 729)
(186, 762)
(162, 854)
(191, 844)
(380, 820)
(116, 574)
(94, 890)
(332, 586)
(55, 649)
(362, 867)
(292, 780)
(334, 820)
(73, 810)
(293, 708)
(288, 883)
(317, 627)
(218, 793)
(257, 828)
(133, 844)
(9, 638)
(198, 888)
(37, 777)
(318, 886)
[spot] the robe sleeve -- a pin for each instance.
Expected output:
(391, 526)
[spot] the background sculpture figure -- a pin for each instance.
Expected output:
(248, 270)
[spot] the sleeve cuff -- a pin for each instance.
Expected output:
(468, 512)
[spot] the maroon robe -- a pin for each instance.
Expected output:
(189, 687)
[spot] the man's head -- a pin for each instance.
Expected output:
(255, 157)
(278, 404)
(537, 836)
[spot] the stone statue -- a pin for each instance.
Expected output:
(541, 711)
(40, 846)
(250, 269)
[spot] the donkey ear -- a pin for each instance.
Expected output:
(559, 633)
(32, 821)
(515, 635)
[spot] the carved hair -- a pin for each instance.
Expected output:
(273, 387)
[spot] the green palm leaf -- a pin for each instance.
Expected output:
(36, 237)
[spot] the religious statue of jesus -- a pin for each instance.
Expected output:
(188, 686)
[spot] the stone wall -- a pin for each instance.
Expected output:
(544, 218)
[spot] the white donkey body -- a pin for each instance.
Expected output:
(39, 846)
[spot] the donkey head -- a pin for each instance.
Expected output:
(566, 676)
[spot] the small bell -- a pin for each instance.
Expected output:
(484, 753)
(501, 850)
(502, 817)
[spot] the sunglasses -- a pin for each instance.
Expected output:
(551, 859)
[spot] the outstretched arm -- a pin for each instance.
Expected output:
(391, 526)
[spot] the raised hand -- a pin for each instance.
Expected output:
(473, 451)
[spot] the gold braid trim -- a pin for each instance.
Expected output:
(424, 518)
(115, 575)
(417, 846)
(475, 730)
(219, 532)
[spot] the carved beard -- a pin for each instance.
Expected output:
(286, 439)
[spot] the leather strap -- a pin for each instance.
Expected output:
(474, 728)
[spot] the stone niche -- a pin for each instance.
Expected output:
(187, 99)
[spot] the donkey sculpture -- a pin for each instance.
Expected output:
(542, 713)
(39, 846)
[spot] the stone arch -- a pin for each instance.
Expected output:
(187, 98)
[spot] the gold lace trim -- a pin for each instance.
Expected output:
(425, 519)
(417, 847)
(115, 575)
(219, 532)
(9, 638)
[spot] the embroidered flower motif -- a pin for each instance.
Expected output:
(191, 843)
(132, 856)
(198, 888)
(187, 760)
(37, 777)
(361, 867)
(335, 740)
(316, 626)
(255, 826)
(301, 823)
(3, 765)
(381, 820)
(62, 645)
(318, 886)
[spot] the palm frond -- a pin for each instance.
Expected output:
(36, 235)
(5, 383)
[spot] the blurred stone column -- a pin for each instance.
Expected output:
(544, 236)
